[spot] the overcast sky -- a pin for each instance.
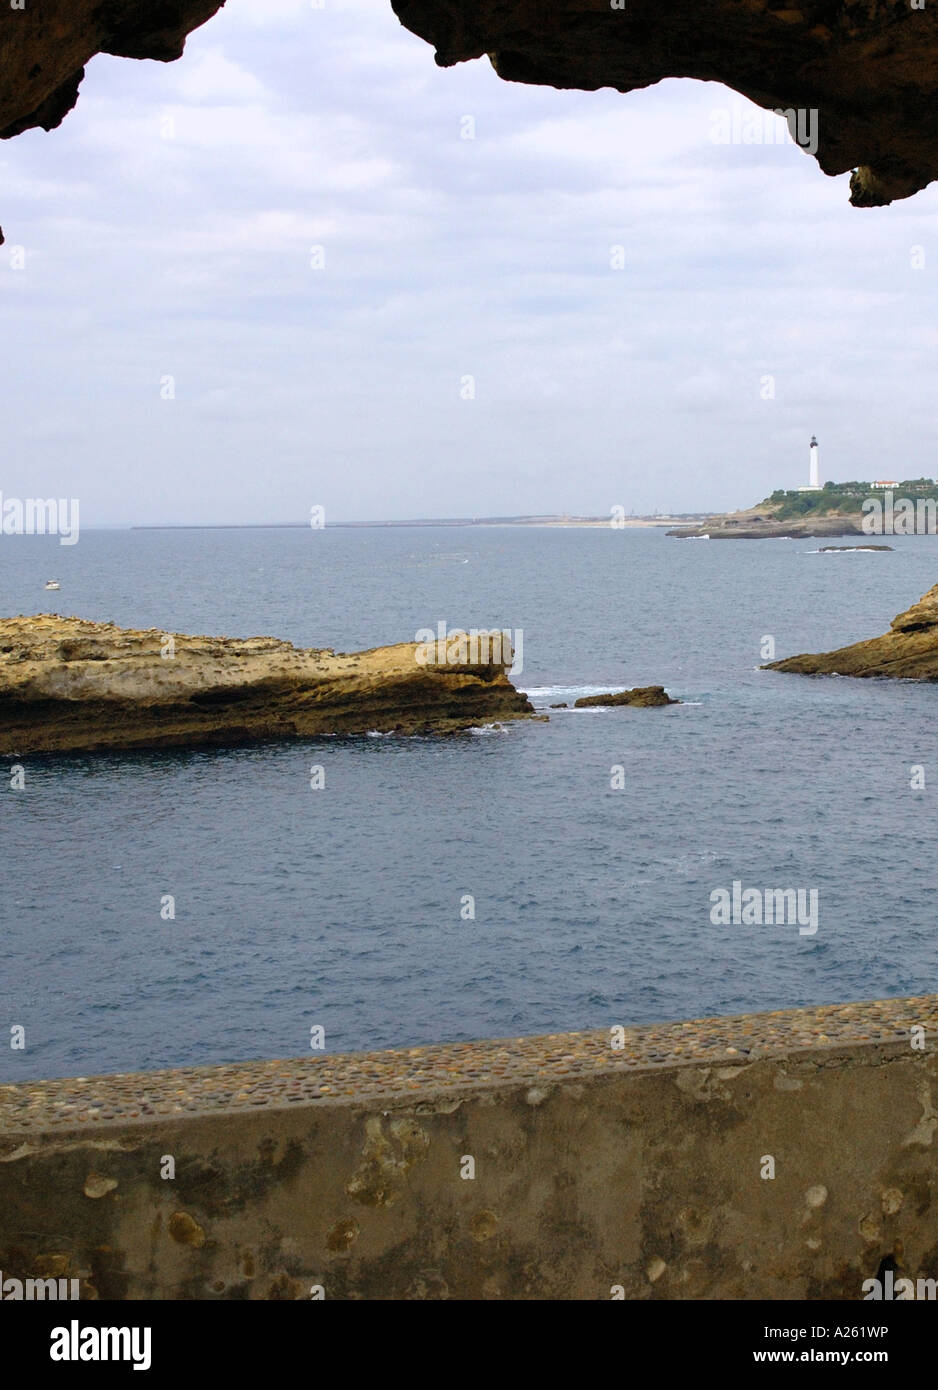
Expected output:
(168, 228)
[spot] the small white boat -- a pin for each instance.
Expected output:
(53, 584)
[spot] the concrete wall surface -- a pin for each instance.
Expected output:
(634, 1162)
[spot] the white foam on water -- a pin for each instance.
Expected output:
(572, 692)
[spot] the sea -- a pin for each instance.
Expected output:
(525, 878)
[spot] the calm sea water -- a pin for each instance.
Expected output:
(342, 907)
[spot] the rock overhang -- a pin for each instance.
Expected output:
(46, 46)
(869, 68)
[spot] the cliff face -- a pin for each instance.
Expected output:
(909, 651)
(67, 685)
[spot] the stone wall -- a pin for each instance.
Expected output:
(633, 1159)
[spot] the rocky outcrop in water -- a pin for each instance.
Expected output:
(909, 651)
(642, 697)
(744, 526)
(68, 685)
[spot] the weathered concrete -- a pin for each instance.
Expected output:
(594, 1168)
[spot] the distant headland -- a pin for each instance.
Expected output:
(834, 509)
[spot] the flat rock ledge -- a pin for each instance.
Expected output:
(68, 685)
(909, 651)
(642, 697)
(755, 528)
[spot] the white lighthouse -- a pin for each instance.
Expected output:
(815, 483)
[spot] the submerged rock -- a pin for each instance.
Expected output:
(909, 651)
(68, 685)
(644, 697)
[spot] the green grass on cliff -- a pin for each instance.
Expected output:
(845, 498)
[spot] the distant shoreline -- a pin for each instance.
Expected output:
(555, 522)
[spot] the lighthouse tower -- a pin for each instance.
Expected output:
(815, 483)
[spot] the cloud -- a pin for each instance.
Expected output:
(213, 77)
(605, 271)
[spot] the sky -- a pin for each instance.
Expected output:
(277, 275)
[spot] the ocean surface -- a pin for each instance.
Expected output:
(343, 908)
